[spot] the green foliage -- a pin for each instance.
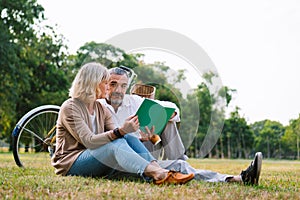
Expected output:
(291, 139)
(268, 137)
(211, 118)
(226, 92)
(188, 130)
(17, 18)
(30, 60)
(206, 105)
(237, 136)
(157, 74)
(150, 74)
(106, 54)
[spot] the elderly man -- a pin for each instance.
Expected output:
(123, 105)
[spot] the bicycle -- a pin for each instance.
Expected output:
(35, 131)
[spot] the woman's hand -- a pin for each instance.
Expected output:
(130, 125)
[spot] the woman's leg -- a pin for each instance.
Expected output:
(139, 147)
(106, 160)
(88, 165)
(119, 155)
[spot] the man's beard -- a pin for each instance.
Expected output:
(116, 101)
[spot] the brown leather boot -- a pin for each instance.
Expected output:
(174, 177)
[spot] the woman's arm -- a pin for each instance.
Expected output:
(76, 121)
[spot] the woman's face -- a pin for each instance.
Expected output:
(103, 86)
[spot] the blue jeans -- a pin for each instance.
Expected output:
(126, 155)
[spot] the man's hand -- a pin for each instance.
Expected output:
(146, 136)
(173, 115)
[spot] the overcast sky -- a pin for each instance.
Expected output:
(255, 45)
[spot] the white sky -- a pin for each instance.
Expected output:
(255, 45)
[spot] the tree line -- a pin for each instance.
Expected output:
(36, 69)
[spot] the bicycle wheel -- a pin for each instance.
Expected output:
(33, 140)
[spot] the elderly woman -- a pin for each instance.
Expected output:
(88, 144)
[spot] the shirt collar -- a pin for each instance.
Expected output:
(126, 101)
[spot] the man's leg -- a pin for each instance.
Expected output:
(185, 168)
(155, 150)
(172, 143)
(250, 176)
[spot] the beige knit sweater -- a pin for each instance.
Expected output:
(74, 133)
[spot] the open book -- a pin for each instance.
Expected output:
(151, 113)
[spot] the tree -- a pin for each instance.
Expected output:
(32, 58)
(157, 74)
(106, 54)
(16, 24)
(45, 60)
(205, 102)
(268, 136)
(110, 56)
(291, 139)
(189, 124)
(210, 105)
(237, 136)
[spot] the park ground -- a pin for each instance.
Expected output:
(280, 179)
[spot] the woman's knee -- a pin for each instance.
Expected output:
(108, 149)
(117, 145)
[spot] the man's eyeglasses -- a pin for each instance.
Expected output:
(119, 71)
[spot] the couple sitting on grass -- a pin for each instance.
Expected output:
(88, 143)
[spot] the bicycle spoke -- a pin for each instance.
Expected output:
(34, 134)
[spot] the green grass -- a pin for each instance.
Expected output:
(279, 180)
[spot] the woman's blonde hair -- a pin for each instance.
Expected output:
(85, 86)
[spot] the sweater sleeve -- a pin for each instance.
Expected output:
(108, 120)
(77, 122)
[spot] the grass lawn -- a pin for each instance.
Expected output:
(279, 180)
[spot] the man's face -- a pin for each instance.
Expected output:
(117, 88)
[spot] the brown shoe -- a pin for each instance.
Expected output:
(174, 177)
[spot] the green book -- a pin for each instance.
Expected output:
(151, 113)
